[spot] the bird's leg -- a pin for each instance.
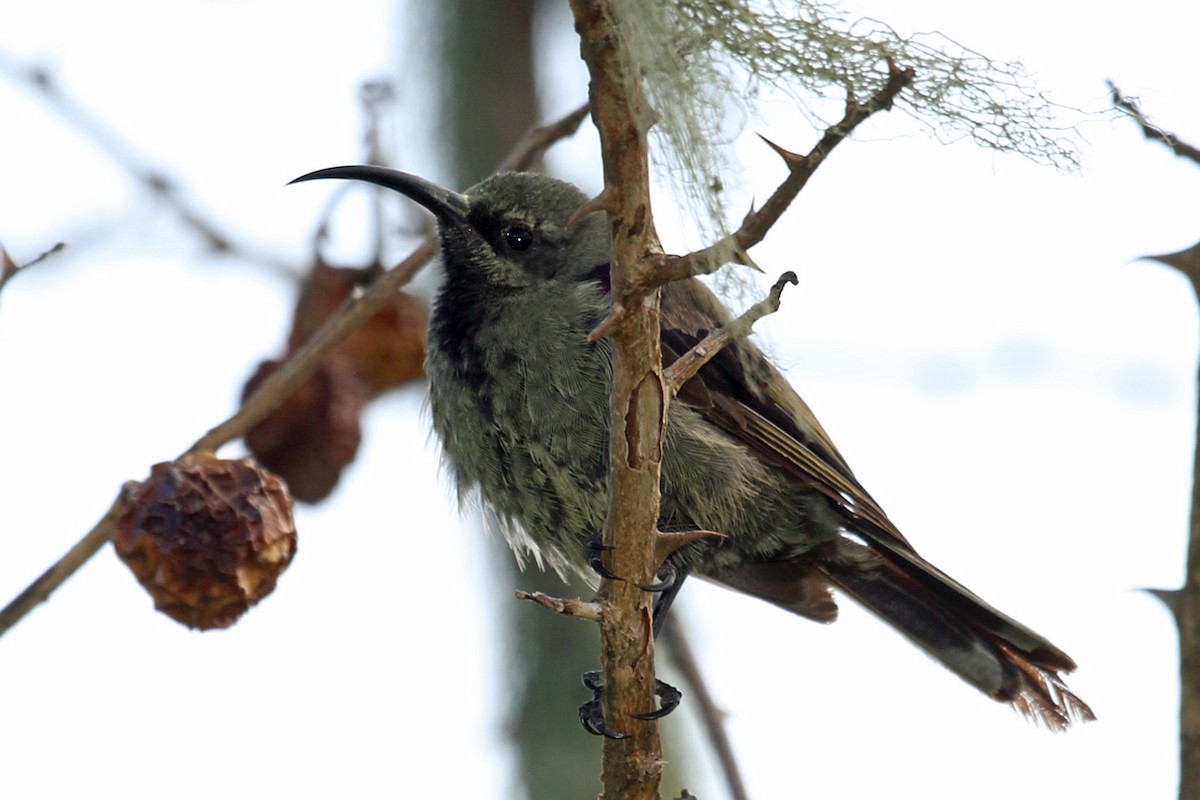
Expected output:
(668, 588)
(591, 713)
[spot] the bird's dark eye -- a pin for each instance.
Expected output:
(519, 238)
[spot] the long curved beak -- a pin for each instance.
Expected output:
(446, 205)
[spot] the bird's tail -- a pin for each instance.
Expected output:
(988, 649)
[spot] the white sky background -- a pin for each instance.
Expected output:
(969, 327)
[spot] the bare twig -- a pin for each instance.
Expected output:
(1149, 129)
(277, 387)
(280, 384)
(680, 650)
(39, 591)
(754, 227)
(580, 609)
(538, 141)
(686, 366)
(10, 268)
(375, 97)
(150, 177)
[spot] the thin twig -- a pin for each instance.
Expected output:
(674, 634)
(538, 141)
(280, 384)
(375, 97)
(1149, 129)
(39, 591)
(686, 366)
(154, 179)
(277, 387)
(10, 268)
(580, 609)
(755, 226)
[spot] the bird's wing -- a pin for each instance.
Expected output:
(740, 392)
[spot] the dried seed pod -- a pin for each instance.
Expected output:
(387, 351)
(207, 537)
(315, 432)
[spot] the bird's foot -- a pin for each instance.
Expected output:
(596, 548)
(591, 713)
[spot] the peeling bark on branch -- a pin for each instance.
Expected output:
(632, 765)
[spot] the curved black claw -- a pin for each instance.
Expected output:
(668, 697)
(591, 714)
(594, 680)
(669, 577)
(596, 548)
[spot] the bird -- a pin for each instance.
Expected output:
(519, 398)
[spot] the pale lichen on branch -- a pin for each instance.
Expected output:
(700, 59)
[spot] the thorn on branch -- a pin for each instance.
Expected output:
(749, 213)
(577, 608)
(1170, 598)
(792, 160)
(1186, 261)
(668, 542)
(605, 201)
(609, 324)
(687, 365)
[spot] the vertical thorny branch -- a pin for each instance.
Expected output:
(633, 765)
(1184, 603)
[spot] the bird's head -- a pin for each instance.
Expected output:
(512, 230)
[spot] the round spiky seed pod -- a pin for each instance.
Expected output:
(207, 537)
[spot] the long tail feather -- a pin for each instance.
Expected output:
(993, 652)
